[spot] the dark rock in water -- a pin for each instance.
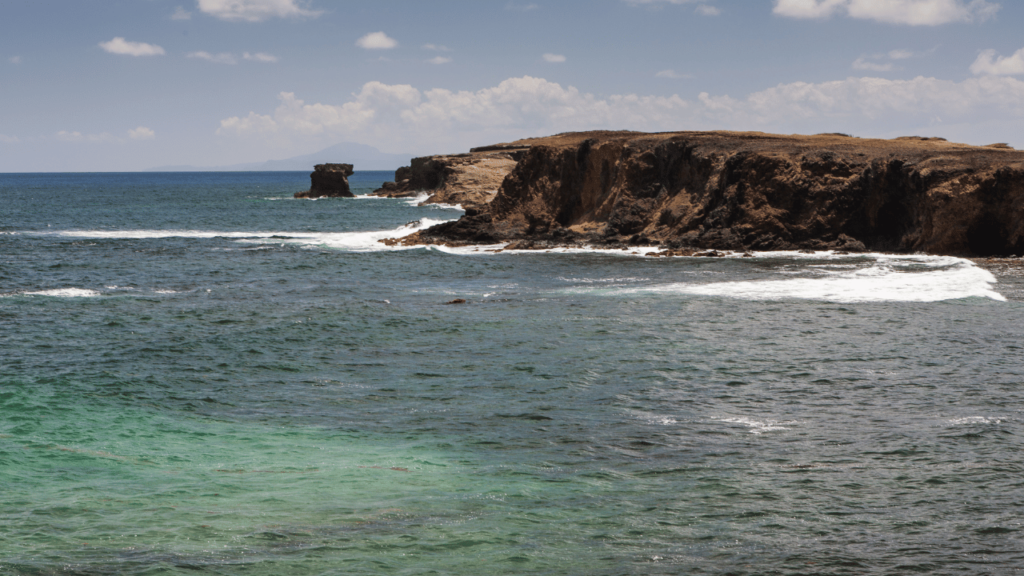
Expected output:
(329, 181)
(457, 301)
(743, 191)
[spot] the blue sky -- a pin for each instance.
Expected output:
(131, 84)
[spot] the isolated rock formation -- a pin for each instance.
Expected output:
(470, 180)
(328, 180)
(753, 191)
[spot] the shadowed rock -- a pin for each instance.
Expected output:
(330, 181)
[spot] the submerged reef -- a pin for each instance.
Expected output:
(735, 191)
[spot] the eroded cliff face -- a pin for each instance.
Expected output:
(754, 191)
(470, 180)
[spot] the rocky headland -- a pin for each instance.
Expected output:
(690, 191)
(469, 180)
(329, 181)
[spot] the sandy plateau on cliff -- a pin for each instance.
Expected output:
(685, 191)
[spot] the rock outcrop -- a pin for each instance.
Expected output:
(753, 191)
(330, 181)
(469, 180)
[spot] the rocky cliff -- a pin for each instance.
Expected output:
(753, 191)
(470, 180)
(328, 180)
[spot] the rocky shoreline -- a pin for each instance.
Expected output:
(687, 192)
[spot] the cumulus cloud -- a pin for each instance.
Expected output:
(222, 58)
(439, 60)
(554, 58)
(909, 12)
(66, 136)
(181, 14)
(260, 57)
(864, 64)
(989, 63)
(404, 117)
(376, 41)
(121, 46)
(254, 10)
(436, 48)
(635, 2)
(141, 133)
(707, 10)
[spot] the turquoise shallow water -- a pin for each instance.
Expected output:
(201, 375)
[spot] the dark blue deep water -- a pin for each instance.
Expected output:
(202, 375)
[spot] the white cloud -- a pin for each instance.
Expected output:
(65, 136)
(436, 48)
(439, 60)
(554, 58)
(14, 59)
(253, 10)
(260, 57)
(707, 10)
(900, 54)
(222, 58)
(141, 133)
(863, 64)
(401, 117)
(672, 74)
(988, 63)
(121, 46)
(376, 41)
(635, 2)
(181, 14)
(9, 139)
(910, 12)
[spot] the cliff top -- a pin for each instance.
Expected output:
(766, 143)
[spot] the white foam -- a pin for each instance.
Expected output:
(349, 241)
(421, 197)
(156, 234)
(65, 293)
(974, 420)
(353, 241)
(759, 426)
(887, 278)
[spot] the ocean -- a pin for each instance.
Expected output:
(202, 375)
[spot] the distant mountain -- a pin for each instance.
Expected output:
(361, 156)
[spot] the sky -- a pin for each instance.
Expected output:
(127, 85)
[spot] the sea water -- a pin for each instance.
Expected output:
(201, 374)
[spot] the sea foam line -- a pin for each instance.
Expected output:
(353, 241)
(885, 278)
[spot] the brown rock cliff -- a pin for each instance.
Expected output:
(754, 191)
(470, 180)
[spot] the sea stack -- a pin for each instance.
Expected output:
(328, 181)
